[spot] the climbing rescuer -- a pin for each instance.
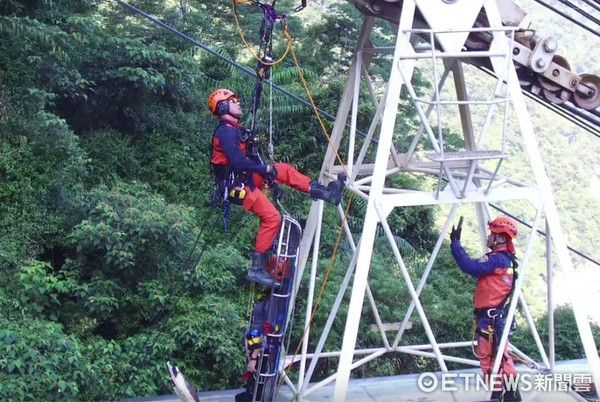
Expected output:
(241, 175)
(496, 274)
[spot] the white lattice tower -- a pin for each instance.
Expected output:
(444, 27)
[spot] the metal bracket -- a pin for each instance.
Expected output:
(542, 54)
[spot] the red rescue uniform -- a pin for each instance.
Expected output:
(229, 150)
(495, 275)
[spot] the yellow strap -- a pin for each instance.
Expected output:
(254, 341)
(238, 193)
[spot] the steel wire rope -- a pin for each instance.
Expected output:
(570, 113)
(565, 15)
(592, 4)
(580, 11)
(579, 253)
(564, 113)
(591, 116)
(227, 60)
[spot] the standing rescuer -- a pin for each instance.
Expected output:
(496, 273)
(241, 175)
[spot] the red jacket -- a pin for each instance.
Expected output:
(229, 149)
(494, 273)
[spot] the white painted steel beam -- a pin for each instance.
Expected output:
(370, 223)
(558, 237)
(469, 182)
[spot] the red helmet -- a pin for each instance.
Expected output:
(217, 96)
(504, 224)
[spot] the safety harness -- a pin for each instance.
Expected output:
(495, 313)
(230, 184)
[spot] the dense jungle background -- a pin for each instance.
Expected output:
(112, 260)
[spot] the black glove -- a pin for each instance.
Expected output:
(455, 233)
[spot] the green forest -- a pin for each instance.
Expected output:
(113, 262)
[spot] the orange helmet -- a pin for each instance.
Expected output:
(504, 224)
(218, 96)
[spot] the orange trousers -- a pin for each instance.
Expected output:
(486, 349)
(259, 204)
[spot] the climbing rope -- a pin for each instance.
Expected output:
(264, 57)
(323, 285)
(267, 13)
(312, 101)
(346, 211)
(251, 296)
(271, 147)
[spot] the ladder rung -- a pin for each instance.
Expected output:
(465, 155)
(287, 255)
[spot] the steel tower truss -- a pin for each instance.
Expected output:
(471, 175)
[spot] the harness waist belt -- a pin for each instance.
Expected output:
(490, 312)
(222, 172)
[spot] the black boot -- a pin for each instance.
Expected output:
(258, 272)
(497, 396)
(513, 396)
(332, 193)
(245, 396)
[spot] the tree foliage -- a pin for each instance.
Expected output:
(113, 262)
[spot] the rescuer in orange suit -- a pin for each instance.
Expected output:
(239, 169)
(496, 273)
